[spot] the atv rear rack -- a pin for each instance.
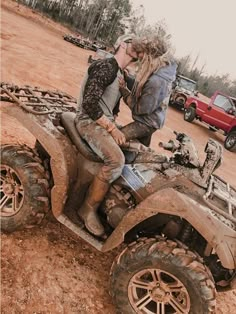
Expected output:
(36, 100)
(221, 193)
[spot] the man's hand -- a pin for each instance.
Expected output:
(111, 128)
(118, 136)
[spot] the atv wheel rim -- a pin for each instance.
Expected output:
(156, 291)
(12, 192)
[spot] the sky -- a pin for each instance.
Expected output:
(204, 27)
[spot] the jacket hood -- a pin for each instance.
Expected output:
(168, 72)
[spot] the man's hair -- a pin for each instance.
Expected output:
(128, 38)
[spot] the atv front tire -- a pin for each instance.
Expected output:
(189, 114)
(159, 276)
(24, 188)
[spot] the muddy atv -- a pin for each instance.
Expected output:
(173, 219)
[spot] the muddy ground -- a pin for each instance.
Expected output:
(46, 269)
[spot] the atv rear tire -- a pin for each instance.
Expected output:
(189, 114)
(230, 141)
(24, 188)
(159, 276)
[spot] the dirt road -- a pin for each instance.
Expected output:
(46, 270)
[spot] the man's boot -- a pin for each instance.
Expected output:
(88, 211)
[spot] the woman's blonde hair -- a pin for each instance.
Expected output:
(154, 51)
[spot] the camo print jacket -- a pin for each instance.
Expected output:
(101, 74)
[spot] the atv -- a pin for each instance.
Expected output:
(172, 217)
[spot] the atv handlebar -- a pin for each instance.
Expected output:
(184, 151)
(171, 146)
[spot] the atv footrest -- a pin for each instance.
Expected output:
(81, 232)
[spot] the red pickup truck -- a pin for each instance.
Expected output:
(219, 113)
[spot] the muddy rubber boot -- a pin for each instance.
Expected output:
(88, 211)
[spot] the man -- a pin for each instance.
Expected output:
(95, 123)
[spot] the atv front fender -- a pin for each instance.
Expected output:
(169, 201)
(57, 145)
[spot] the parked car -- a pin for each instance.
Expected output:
(183, 87)
(82, 42)
(100, 54)
(96, 45)
(219, 113)
(74, 40)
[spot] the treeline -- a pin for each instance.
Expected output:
(102, 20)
(105, 20)
(207, 84)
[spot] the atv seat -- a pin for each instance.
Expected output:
(68, 122)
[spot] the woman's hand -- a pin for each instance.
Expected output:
(122, 82)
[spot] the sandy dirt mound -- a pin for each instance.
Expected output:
(45, 269)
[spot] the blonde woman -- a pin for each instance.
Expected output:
(150, 94)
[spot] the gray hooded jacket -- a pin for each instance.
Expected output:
(151, 107)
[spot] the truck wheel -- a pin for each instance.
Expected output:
(180, 100)
(24, 188)
(230, 141)
(189, 114)
(160, 276)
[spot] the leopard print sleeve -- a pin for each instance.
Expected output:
(100, 74)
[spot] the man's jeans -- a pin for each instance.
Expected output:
(103, 144)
